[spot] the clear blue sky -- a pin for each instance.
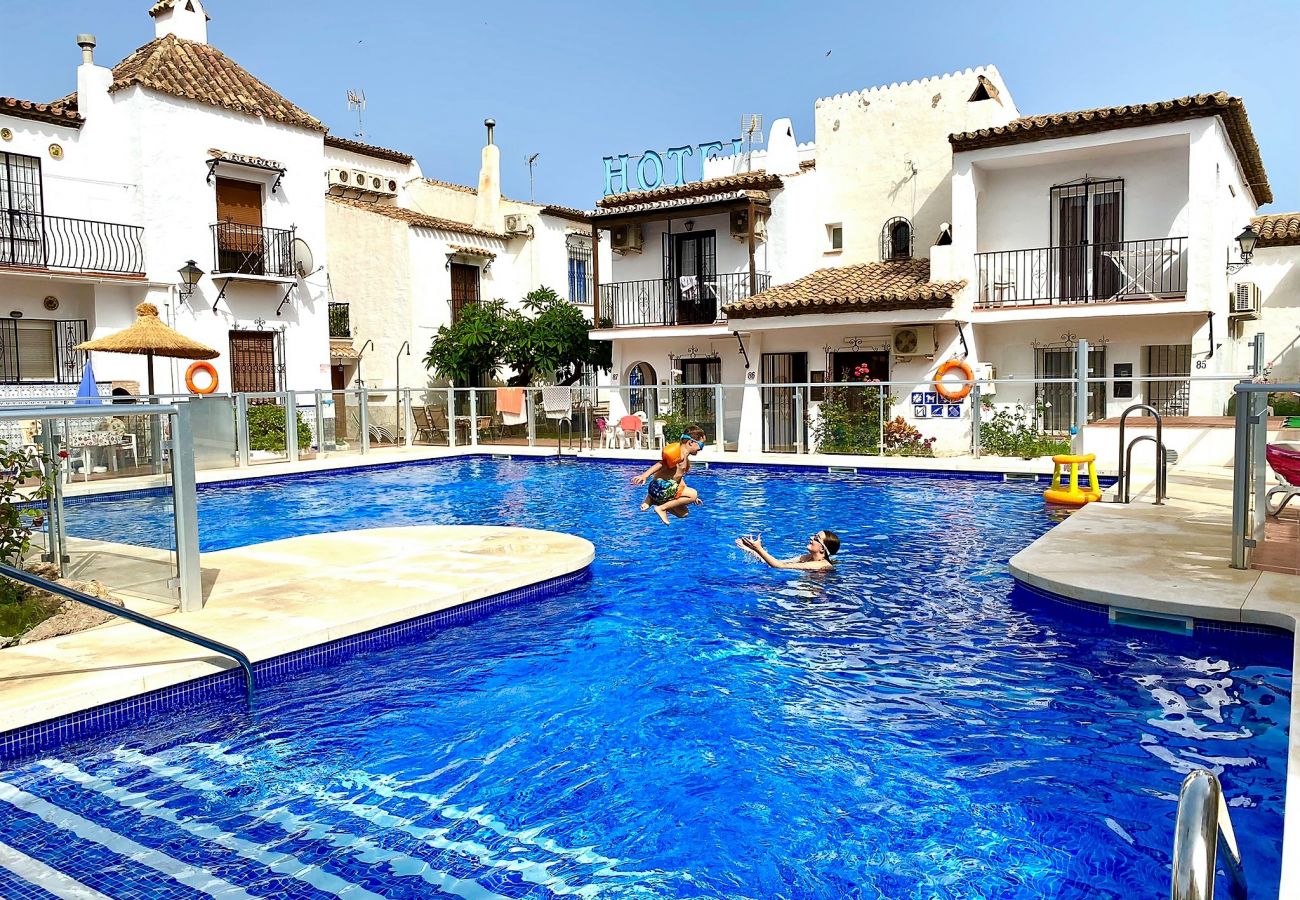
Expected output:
(578, 81)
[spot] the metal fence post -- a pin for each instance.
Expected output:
(1080, 395)
(189, 580)
(719, 417)
(451, 417)
(976, 414)
(529, 410)
(798, 419)
(320, 422)
(363, 403)
(408, 417)
(290, 426)
(473, 417)
(1241, 486)
(241, 429)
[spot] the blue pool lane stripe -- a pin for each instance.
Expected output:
(281, 863)
(191, 876)
(51, 881)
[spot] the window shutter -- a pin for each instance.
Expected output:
(36, 351)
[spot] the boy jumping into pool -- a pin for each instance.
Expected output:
(821, 547)
(665, 481)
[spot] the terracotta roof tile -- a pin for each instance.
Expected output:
(869, 287)
(59, 114)
(342, 143)
(694, 200)
(415, 219)
(1108, 118)
(759, 180)
(1278, 229)
(471, 251)
(807, 164)
(202, 73)
(463, 188)
(567, 212)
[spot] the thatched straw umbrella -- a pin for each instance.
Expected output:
(150, 337)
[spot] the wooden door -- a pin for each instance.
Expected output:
(239, 227)
(253, 362)
(339, 382)
(464, 288)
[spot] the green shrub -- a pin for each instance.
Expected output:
(902, 439)
(266, 428)
(1281, 404)
(842, 429)
(1011, 432)
(20, 506)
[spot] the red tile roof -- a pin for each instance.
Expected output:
(415, 219)
(1108, 118)
(55, 113)
(342, 143)
(202, 73)
(1278, 229)
(869, 287)
(567, 212)
(757, 180)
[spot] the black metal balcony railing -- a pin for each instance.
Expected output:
(252, 249)
(1153, 269)
(33, 240)
(666, 301)
(340, 321)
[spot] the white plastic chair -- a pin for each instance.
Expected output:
(127, 446)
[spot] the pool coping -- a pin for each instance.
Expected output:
(1095, 557)
(148, 673)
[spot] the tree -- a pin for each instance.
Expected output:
(551, 341)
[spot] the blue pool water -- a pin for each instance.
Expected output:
(686, 723)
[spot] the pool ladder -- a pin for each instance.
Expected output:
(1124, 489)
(1202, 828)
(131, 615)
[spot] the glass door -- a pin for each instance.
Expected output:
(696, 285)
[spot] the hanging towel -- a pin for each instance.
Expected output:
(510, 401)
(688, 285)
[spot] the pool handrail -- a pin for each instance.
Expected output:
(1203, 827)
(131, 615)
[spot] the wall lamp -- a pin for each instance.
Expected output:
(190, 275)
(1246, 241)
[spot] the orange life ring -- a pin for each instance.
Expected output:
(961, 390)
(194, 369)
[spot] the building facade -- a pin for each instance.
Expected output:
(176, 154)
(931, 222)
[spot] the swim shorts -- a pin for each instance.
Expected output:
(662, 491)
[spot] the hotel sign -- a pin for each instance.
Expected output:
(652, 168)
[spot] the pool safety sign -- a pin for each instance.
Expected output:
(932, 405)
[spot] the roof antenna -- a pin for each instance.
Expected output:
(357, 102)
(531, 160)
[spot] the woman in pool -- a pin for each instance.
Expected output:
(817, 557)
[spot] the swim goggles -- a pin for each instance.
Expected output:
(695, 441)
(819, 542)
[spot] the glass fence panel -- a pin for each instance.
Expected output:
(494, 427)
(430, 418)
(108, 445)
(305, 402)
(216, 439)
(267, 442)
(385, 419)
(126, 540)
(682, 407)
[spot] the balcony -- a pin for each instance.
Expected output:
(1153, 269)
(252, 250)
(340, 321)
(36, 241)
(664, 301)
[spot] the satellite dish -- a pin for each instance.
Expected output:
(303, 262)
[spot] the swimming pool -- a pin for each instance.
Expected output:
(685, 724)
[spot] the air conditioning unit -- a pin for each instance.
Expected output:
(914, 340)
(341, 178)
(1245, 301)
(625, 238)
(516, 223)
(740, 225)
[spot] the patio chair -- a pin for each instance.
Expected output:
(631, 429)
(1285, 462)
(427, 423)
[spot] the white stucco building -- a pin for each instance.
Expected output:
(174, 154)
(930, 221)
(404, 262)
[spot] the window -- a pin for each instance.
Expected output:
(835, 236)
(41, 350)
(896, 239)
(579, 271)
(21, 224)
(255, 361)
(464, 288)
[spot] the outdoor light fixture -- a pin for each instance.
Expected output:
(690, 224)
(190, 275)
(1246, 241)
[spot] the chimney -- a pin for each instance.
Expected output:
(487, 208)
(186, 19)
(87, 44)
(93, 81)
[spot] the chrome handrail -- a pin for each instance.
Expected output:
(1124, 489)
(1202, 828)
(131, 615)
